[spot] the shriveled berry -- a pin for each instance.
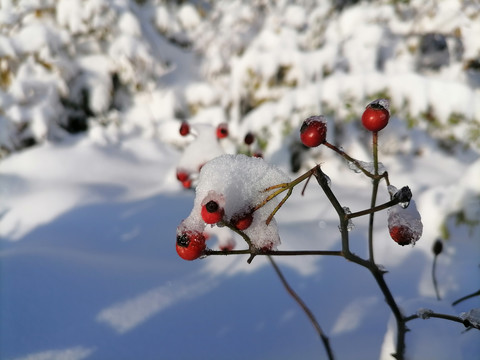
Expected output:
(184, 128)
(376, 115)
(313, 131)
(211, 212)
(249, 138)
(190, 245)
(222, 130)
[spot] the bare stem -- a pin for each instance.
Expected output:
(306, 310)
(280, 204)
(374, 196)
(209, 252)
(453, 318)
(434, 278)
(373, 209)
(349, 159)
(466, 297)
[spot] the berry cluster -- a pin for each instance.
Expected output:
(229, 192)
(240, 192)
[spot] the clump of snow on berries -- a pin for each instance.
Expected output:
(406, 223)
(241, 181)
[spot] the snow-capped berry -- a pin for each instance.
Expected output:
(243, 221)
(376, 115)
(211, 212)
(249, 138)
(313, 131)
(182, 176)
(190, 245)
(222, 130)
(405, 224)
(184, 128)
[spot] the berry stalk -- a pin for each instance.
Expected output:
(373, 201)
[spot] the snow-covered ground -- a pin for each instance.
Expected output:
(88, 268)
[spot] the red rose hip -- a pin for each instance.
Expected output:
(190, 245)
(313, 131)
(211, 212)
(249, 138)
(376, 115)
(402, 235)
(182, 176)
(184, 128)
(222, 130)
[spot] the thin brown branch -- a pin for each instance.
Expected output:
(305, 308)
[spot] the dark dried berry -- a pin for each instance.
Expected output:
(437, 247)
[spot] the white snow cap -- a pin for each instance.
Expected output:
(241, 181)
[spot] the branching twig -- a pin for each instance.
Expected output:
(374, 269)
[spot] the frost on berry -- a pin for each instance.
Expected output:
(380, 103)
(313, 131)
(405, 224)
(240, 181)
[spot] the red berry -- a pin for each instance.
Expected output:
(376, 115)
(222, 130)
(402, 235)
(249, 138)
(242, 222)
(190, 245)
(258, 155)
(187, 184)
(313, 131)
(211, 212)
(184, 128)
(182, 176)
